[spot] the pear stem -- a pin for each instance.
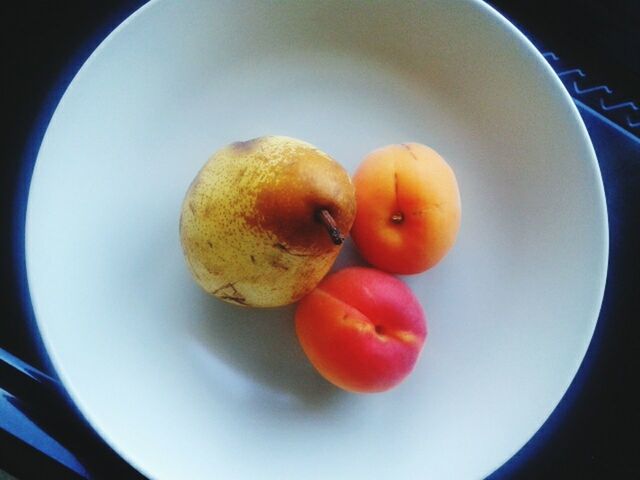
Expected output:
(330, 224)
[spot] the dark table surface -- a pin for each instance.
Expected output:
(593, 434)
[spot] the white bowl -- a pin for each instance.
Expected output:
(184, 386)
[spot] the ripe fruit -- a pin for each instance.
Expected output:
(263, 221)
(362, 329)
(408, 208)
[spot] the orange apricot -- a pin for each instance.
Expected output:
(408, 208)
(362, 329)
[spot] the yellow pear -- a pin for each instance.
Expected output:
(263, 221)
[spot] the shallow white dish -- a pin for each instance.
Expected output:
(183, 386)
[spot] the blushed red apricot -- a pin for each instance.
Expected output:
(408, 208)
(362, 329)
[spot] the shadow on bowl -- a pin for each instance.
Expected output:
(261, 344)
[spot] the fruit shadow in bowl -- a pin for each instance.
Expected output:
(260, 345)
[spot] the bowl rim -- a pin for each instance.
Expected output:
(54, 364)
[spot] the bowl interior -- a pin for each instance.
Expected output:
(184, 386)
